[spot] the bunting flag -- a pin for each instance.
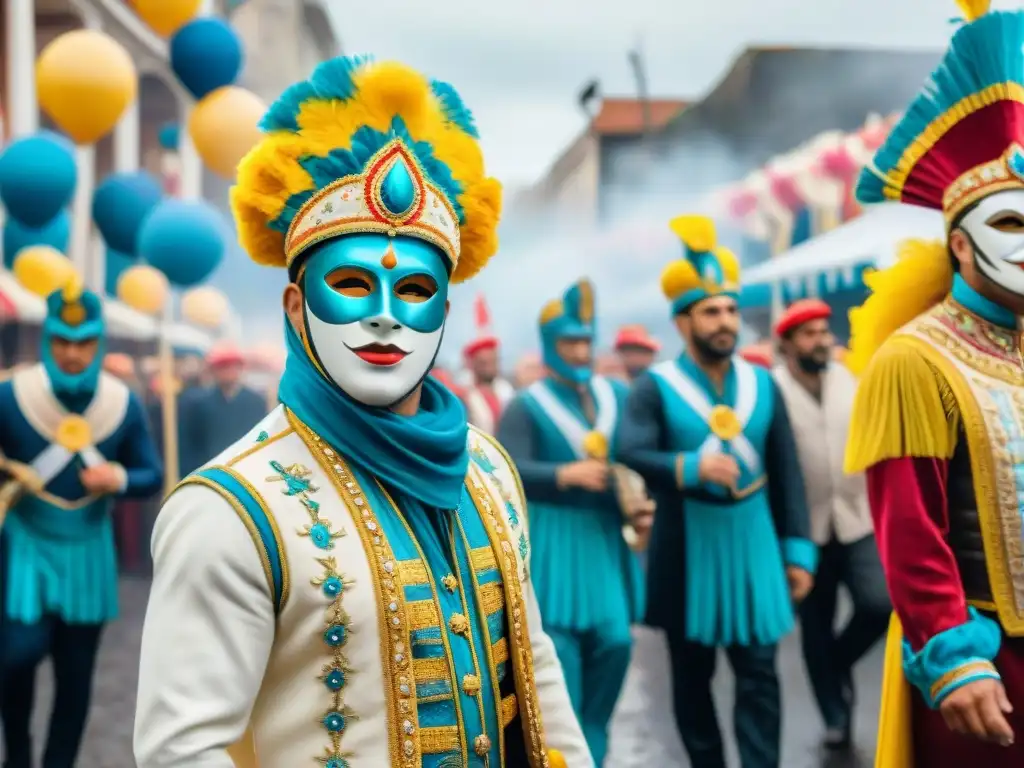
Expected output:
(481, 314)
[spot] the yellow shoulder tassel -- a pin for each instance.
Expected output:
(921, 277)
(974, 9)
(903, 408)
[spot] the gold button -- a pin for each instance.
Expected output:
(450, 583)
(482, 745)
(471, 685)
(458, 624)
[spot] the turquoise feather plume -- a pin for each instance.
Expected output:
(983, 53)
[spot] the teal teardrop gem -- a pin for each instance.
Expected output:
(1016, 163)
(398, 192)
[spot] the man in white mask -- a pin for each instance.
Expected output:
(938, 422)
(347, 585)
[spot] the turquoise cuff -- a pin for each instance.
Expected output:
(688, 470)
(954, 658)
(801, 553)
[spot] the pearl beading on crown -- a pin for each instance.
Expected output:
(392, 196)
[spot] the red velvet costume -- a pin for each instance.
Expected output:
(908, 503)
(938, 424)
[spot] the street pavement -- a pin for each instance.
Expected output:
(108, 740)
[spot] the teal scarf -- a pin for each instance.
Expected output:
(422, 457)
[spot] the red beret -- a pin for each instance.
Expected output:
(479, 344)
(801, 312)
(225, 354)
(635, 336)
(758, 354)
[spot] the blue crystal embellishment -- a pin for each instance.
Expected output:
(335, 636)
(334, 722)
(332, 586)
(1016, 162)
(398, 192)
(335, 680)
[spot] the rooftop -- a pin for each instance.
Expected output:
(625, 117)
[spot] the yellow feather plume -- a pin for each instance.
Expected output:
(696, 232)
(270, 175)
(921, 277)
(730, 265)
(551, 311)
(974, 9)
(678, 278)
(72, 291)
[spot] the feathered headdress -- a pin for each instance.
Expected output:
(365, 147)
(960, 139)
(705, 270)
(571, 315)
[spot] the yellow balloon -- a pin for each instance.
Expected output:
(224, 127)
(85, 80)
(165, 17)
(206, 307)
(43, 270)
(143, 288)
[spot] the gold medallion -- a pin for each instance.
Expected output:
(724, 423)
(595, 446)
(73, 314)
(73, 434)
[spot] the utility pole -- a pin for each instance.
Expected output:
(636, 60)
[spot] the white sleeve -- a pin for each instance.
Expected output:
(561, 728)
(208, 633)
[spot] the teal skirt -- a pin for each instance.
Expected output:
(585, 575)
(60, 562)
(736, 588)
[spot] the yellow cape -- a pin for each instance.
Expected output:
(895, 728)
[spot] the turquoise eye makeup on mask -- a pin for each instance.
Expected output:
(367, 276)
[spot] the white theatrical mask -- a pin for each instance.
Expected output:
(376, 360)
(996, 227)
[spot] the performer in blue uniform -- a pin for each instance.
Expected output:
(710, 435)
(71, 438)
(589, 586)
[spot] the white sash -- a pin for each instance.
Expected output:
(40, 407)
(480, 414)
(746, 398)
(569, 425)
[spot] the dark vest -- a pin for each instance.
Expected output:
(964, 528)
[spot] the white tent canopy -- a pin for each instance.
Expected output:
(871, 238)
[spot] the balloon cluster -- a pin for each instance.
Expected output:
(207, 57)
(38, 175)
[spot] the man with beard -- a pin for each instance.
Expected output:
(558, 432)
(488, 395)
(636, 349)
(710, 434)
(819, 396)
(938, 421)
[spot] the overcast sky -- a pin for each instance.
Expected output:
(519, 65)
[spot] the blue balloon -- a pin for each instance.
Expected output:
(206, 54)
(37, 178)
(119, 206)
(170, 136)
(116, 263)
(55, 233)
(184, 240)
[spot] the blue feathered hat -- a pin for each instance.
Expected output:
(73, 313)
(367, 147)
(961, 138)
